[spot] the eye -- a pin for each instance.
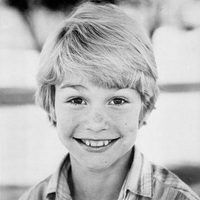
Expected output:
(77, 101)
(118, 101)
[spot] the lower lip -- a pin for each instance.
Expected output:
(97, 149)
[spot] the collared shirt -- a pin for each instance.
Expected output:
(145, 181)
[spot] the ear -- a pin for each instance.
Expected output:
(144, 115)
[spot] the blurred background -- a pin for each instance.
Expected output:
(29, 148)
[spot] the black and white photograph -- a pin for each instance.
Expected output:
(100, 99)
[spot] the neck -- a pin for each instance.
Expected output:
(104, 184)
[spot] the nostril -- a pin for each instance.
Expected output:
(96, 128)
(96, 120)
(97, 124)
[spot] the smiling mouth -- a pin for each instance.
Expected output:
(96, 143)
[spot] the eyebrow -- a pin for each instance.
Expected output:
(74, 86)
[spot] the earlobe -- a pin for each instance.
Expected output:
(144, 115)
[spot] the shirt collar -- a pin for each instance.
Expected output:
(139, 180)
(58, 185)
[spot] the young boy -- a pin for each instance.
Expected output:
(97, 82)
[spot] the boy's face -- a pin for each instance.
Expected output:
(97, 125)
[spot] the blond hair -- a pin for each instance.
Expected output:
(104, 45)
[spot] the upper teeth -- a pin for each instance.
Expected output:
(98, 143)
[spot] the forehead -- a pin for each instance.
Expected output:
(85, 85)
(103, 80)
(76, 81)
(73, 80)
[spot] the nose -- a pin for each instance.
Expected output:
(97, 120)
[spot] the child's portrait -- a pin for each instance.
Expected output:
(97, 83)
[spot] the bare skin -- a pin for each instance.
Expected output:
(88, 184)
(98, 126)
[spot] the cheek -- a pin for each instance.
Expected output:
(129, 128)
(66, 126)
(66, 121)
(70, 122)
(128, 132)
(65, 115)
(63, 119)
(126, 121)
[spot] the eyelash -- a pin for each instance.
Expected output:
(76, 98)
(81, 100)
(119, 99)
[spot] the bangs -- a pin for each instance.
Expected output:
(111, 76)
(107, 60)
(107, 71)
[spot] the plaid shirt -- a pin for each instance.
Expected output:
(144, 181)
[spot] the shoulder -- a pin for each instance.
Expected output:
(37, 192)
(47, 188)
(168, 185)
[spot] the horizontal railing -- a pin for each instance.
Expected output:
(23, 96)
